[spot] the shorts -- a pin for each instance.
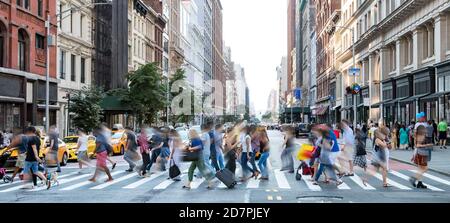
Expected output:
(82, 156)
(420, 160)
(442, 135)
(30, 166)
(101, 159)
(20, 162)
(348, 153)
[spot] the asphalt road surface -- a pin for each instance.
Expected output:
(281, 187)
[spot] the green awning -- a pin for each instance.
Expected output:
(113, 103)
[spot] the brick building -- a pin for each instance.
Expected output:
(23, 41)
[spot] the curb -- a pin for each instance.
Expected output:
(430, 169)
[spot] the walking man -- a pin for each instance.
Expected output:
(131, 154)
(54, 145)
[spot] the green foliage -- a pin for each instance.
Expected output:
(146, 94)
(85, 104)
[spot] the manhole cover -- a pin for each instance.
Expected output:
(319, 199)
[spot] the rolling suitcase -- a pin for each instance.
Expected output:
(227, 177)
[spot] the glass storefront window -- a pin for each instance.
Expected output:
(441, 84)
(10, 117)
(447, 83)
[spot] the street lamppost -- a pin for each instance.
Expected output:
(47, 65)
(353, 69)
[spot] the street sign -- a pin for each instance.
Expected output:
(298, 93)
(354, 71)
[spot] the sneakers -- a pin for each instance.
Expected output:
(129, 170)
(420, 185)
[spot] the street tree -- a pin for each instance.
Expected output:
(146, 93)
(85, 105)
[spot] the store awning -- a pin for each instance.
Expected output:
(414, 98)
(381, 102)
(348, 107)
(322, 110)
(113, 103)
(436, 95)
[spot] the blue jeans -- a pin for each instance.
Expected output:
(244, 163)
(207, 163)
(30, 167)
(262, 164)
(220, 160)
(330, 171)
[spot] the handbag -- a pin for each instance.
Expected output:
(174, 171)
(191, 156)
(360, 151)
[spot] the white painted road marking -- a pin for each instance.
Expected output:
(391, 182)
(437, 179)
(143, 181)
(281, 180)
(403, 176)
(78, 185)
(310, 184)
(360, 183)
(107, 184)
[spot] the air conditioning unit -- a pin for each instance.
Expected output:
(51, 40)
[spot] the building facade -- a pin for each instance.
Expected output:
(327, 17)
(218, 58)
(403, 51)
(75, 48)
(23, 63)
(291, 41)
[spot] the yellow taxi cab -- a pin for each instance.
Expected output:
(63, 152)
(72, 142)
(118, 142)
(14, 153)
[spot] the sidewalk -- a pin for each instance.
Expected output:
(440, 159)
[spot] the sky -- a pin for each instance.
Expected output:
(256, 31)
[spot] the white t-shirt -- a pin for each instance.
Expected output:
(83, 141)
(243, 139)
(349, 138)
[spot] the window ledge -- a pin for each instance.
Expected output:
(392, 73)
(428, 60)
(408, 67)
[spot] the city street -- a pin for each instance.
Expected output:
(282, 187)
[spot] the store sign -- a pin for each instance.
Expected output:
(354, 71)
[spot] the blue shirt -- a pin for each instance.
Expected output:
(197, 142)
(335, 142)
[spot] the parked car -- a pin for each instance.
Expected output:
(71, 144)
(118, 141)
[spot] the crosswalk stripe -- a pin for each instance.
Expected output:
(403, 176)
(19, 181)
(253, 183)
(343, 186)
(281, 180)
(143, 181)
(391, 182)
(81, 184)
(107, 184)
(360, 183)
(437, 179)
(310, 184)
(222, 185)
(196, 183)
(63, 181)
(20, 186)
(163, 185)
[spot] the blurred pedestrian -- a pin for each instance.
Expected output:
(106, 134)
(248, 155)
(19, 143)
(145, 152)
(349, 144)
(131, 155)
(443, 129)
(101, 150)
(359, 158)
(380, 157)
(288, 148)
(196, 146)
(82, 150)
(32, 160)
(176, 147)
(404, 137)
(265, 152)
(156, 143)
(52, 154)
(421, 157)
(218, 162)
(326, 161)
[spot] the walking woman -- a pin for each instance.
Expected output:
(176, 146)
(286, 156)
(264, 144)
(102, 154)
(196, 146)
(248, 155)
(380, 155)
(422, 155)
(145, 152)
(231, 147)
(404, 137)
(359, 158)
